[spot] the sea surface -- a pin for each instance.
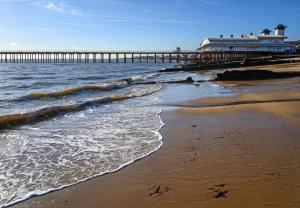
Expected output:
(61, 124)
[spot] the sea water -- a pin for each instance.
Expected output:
(61, 124)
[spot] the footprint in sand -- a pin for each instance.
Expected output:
(157, 190)
(191, 149)
(218, 191)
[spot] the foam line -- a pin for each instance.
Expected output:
(40, 193)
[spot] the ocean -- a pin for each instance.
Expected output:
(61, 124)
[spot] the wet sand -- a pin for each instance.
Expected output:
(218, 152)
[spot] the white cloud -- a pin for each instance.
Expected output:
(59, 6)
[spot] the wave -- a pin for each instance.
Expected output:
(22, 78)
(75, 90)
(10, 121)
(41, 193)
(88, 78)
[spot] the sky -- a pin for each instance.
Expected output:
(137, 24)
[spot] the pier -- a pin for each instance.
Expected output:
(124, 57)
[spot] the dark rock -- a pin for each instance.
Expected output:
(188, 80)
(225, 64)
(237, 75)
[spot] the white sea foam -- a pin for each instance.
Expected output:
(55, 154)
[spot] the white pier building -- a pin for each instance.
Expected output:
(265, 42)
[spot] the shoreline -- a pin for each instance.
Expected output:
(170, 178)
(123, 166)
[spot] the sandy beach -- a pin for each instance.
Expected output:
(239, 151)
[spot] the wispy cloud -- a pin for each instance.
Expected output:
(59, 6)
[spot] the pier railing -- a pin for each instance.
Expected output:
(123, 56)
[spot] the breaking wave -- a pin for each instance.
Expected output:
(9, 121)
(75, 90)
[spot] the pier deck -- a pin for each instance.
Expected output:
(122, 56)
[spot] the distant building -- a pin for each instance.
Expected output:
(296, 44)
(265, 42)
(298, 48)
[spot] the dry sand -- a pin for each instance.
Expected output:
(244, 150)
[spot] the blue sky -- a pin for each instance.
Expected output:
(137, 24)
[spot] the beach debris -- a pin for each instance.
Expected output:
(194, 126)
(218, 191)
(158, 190)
